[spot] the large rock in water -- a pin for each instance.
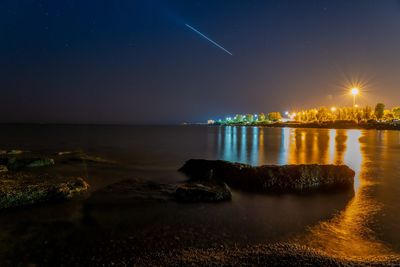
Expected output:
(21, 189)
(272, 178)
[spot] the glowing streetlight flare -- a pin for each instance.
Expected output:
(333, 109)
(354, 91)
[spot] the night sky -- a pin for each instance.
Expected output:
(102, 61)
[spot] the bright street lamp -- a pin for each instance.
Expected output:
(354, 91)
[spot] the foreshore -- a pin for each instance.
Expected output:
(279, 254)
(322, 125)
(95, 236)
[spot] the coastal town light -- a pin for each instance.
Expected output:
(333, 109)
(292, 115)
(354, 91)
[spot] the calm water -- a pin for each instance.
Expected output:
(366, 223)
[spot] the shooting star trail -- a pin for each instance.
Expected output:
(214, 43)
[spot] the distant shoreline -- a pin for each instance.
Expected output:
(324, 125)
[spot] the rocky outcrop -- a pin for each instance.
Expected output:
(12, 152)
(133, 191)
(80, 157)
(19, 159)
(272, 178)
(22, 163)
(202, 192)
(22, 189)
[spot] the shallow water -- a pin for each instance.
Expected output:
(361, 224)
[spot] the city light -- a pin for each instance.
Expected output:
(332, 114)
(354, 91)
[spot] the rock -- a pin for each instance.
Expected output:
(3, 168)
(62, 153)
(11, 152)
(21, 163)
(271, 178)
(92, 159)
(202, 192)
(131, 191)
(41, 162)
(68, 156)
(15, 152)
(21, 189)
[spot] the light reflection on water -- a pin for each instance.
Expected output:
(252, 145)
(349, 231)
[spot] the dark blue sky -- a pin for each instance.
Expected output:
(136, 61)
